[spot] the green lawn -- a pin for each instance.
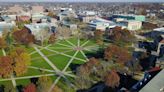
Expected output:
(59, 60)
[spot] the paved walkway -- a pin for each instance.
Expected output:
(47, 60)
(40, 50)
(84, 43)
(64, 45)
(56, 71)
(27, 77)
(43, 69)
(62, 54)
(51, 54)
(84, 55)
(70, 43)
(56, 81)
(70, 61)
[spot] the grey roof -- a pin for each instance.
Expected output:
(161, 59)
(156, 84)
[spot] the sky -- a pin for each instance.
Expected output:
(81, 0)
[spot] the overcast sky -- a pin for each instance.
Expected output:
(81, 0)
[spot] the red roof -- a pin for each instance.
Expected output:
(162, 41)
(154, 69)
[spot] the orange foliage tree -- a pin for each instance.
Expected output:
(98, 37)
(24, 36)
(57, 89)
(117, 54)
(3, 43)
(112, 79)
(121, 35)
(6, 67)
(21, 60)
(30, 88)
(52, 38)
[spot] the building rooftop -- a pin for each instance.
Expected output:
(130, 15)
(5, 25)
(37, 26)
(159, 29)
(156, 84)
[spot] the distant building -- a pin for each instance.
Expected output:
(86, 19)
(66, 13)
(131, 25)
(157, 32)
(160, 62)
(87, 13)
(6, 26)
(129, 17)
(38, 17)
(23, 18)
(156, 84)
(134, 25)
(37, 27)
(101, 24)
(87, 16)
(152, 81)
(37, 9)
(72, 27)
(15, 10)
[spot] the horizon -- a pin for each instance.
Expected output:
(85, 1)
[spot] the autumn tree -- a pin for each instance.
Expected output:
(86, 73)
(52, 38)
(8, 87)
(22, 23)
(21, 61)
(57, 89)
(117, 54)
(3, 43)
(112, 79)
(98, 37)
(30, 88)
(149, 26)
(63, 31)
(44, 84)
(134, 66)
(51, 14)
(6, 68)
(24, 36)
(121, 36)
(43, 35)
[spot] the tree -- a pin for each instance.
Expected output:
(149, 26)
(30, 88)
(57, 89)
(22, 23)
(6, 67)
(112, 79)
(43, 35)
(3, 43)
(134, 66)
(51, 14)
(44, 84)
(21, 61)
(117, 54)
(63, 31)
(52, 38)
(86, 73)
(23, 36)
(8, 87)
(98, 37)
(121, 36)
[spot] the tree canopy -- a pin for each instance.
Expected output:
(117, 54)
